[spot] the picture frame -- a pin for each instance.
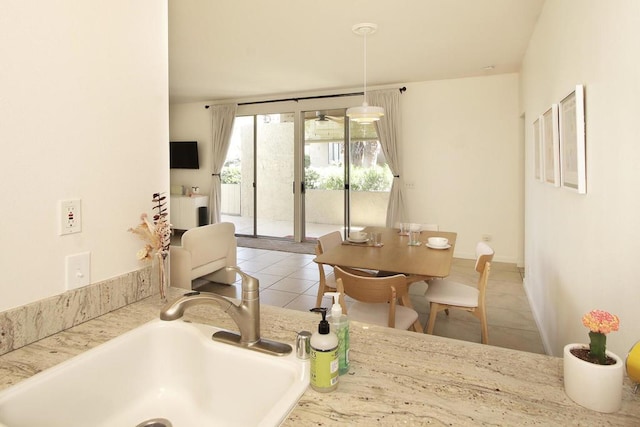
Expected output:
(573, 142)
(537, 151)
(549, 130)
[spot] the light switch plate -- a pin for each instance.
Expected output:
(78, 270)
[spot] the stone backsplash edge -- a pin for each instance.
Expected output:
(29, 323)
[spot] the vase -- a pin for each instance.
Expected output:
(596, 387)
(159, 276)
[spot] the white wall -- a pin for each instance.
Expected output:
(83, 113)
(581, 250)
(192, 122)
(462, 152)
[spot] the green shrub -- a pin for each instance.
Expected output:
(311, 179)
(372, 179)
(231, 175)
(333, 182)
(375, 178)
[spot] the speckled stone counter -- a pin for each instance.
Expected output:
(396, 377)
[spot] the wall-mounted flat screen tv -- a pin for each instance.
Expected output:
(183, 155)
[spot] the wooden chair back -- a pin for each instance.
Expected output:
(369, 289)
(330, 240)
(484, 254)
(484, 257)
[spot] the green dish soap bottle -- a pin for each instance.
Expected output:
(324, 356)
(340, 324)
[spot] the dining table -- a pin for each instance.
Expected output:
(395, 255)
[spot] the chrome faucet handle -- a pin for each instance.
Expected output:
(246, 315)
(175, 310)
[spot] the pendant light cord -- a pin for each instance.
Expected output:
(365, 68)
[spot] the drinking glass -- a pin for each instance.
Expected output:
(404, 228)
(414, 237)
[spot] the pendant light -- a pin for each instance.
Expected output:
(365, 113)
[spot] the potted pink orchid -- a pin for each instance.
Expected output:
(592, 367)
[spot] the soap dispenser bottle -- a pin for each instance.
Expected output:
(324, 356)
(340, 325)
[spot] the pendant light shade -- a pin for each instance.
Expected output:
(365, 113)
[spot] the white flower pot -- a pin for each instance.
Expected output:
(597, 387)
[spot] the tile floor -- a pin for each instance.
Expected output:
(291, 280)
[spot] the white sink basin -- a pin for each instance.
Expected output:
(171, 370)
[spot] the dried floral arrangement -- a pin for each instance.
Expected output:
(157, 235)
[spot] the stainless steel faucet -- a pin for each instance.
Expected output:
(246, 315)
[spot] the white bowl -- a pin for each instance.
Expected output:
(438, 241)
(357, 235)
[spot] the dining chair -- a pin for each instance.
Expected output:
(423, 227)
(376, 299)
(429, 227)
(445, 294)
(327, 282)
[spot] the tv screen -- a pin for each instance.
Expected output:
(183, 155)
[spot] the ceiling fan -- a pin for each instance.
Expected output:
(322, 116)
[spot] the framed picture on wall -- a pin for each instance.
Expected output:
(572, 142)
(537, 150)
(550, 146)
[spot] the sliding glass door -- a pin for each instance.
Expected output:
(256, 179)
(347, 180)
(325, 133)
(369, 178)
(238, 177)
(298, 176)
(274, 175)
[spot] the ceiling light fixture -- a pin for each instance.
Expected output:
(365, 113)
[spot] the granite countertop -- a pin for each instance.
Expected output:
(396, 377)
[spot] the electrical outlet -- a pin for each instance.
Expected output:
(78, 270)
(70, 217)
(486, 237)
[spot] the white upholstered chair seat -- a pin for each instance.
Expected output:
(445, 294)
(378, 314)
(452, 293)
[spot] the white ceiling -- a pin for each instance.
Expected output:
(231, 49)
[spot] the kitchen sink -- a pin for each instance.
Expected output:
(169, 371)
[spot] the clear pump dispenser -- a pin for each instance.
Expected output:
(340, 325)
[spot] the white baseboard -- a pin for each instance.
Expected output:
(537, 319)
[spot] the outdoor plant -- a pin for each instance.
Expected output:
(230, 175)
(333, 182)
(600, 323)
(311, 179)
(374, 178)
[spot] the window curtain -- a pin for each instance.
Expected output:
(388, 128)
(222, 118)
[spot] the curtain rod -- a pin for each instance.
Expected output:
(302, 98)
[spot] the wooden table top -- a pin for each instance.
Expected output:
(395, 255)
